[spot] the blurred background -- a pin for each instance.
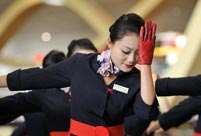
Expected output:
(31, 28)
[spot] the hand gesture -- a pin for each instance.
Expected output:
(146, 43)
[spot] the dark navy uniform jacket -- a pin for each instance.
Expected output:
(36, 124)
(54, 103)
(91, 103)
(185, 109)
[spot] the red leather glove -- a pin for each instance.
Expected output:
(146, 43)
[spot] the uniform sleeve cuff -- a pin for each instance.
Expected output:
(13, 80)
(161, 87)
(163, 124)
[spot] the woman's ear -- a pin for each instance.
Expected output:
(109, 43)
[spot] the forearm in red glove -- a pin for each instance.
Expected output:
(146, 43)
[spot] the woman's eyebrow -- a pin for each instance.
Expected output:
(127, 47)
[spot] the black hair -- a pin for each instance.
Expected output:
(53, 57)
(83, 43)
(125, 24)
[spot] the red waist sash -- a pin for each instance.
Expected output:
(197, 134)
(64, 133)
(81, 129)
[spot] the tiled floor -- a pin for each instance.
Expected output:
(177, 132)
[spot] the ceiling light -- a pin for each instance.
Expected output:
(46, 36)
(180, 41)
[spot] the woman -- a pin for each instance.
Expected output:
(49, 108)
(104, 87)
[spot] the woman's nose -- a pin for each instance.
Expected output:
(131, 58)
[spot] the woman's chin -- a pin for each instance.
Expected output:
(126, 70)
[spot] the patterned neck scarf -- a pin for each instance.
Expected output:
(106, 66)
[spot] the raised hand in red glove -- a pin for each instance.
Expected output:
(146, 43)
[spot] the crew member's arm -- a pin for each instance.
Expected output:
(16, 105)
(145, 105)
(179, 86)
(55, 76)
(177, 115)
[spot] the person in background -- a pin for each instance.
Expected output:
(106, 86)
(53, 104)
(185, 109)
(34, 105)
(83, 45)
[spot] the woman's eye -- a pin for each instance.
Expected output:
(125, 52)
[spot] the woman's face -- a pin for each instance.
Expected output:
(124, 52)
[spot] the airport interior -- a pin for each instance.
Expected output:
(29, 29)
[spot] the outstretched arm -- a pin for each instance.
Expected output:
(55, 76)
(174, 117)
(179, 86)
(18, 104)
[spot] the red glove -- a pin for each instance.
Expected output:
(146, 43)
